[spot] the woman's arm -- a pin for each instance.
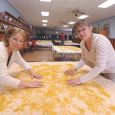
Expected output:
(24, 64)
(20, 61)
(77, 66)
(32, 84)
(101, 60)
(33, 74)
(80, 64)
(5, 78)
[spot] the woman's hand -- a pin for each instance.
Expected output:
(34, 75)
(30, 84)
(74, 82)
(70, 71)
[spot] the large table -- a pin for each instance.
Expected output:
(44, 43)
(96, 97)
(67, 52)
(70, 43)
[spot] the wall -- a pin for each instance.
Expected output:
(108, 22)
(111, 24)
(112, 29)
(5, 6)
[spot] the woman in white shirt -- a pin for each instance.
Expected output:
(9, 53)
(97, 52)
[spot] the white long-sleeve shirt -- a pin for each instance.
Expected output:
(5, 78)
(101, 57)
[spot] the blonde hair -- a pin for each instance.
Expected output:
(11, 32)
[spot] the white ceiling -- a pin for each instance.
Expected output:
(31, 11)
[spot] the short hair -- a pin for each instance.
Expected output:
(81, 23)
(11, 32)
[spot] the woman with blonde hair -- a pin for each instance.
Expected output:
(9, 53)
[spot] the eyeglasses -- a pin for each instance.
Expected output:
(83, 29)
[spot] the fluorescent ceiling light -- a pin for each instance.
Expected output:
(107, 4)
(44, 20)
(44, 24)
(43, 13)
(71, 23)
(83, 16)
(65, 26)
(45, 0)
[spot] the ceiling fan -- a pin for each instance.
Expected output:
(62, 22)
(75, 11)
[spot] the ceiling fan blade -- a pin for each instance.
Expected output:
(78, 11)
(81, 12)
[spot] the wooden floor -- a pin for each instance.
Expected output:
(40, 55)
